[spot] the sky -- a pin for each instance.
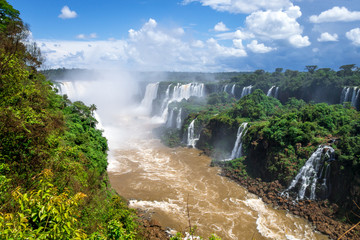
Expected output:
(194, 35)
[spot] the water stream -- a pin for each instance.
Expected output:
(164, 181)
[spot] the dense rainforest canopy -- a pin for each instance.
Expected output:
(53, 180)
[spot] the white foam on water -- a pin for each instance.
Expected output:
(165, 206)
(270, 225)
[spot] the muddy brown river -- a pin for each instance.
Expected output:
(170, 182)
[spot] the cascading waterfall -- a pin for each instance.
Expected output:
(225, 88)
(357, 97)
(170, 120)
(165, 104)
(246, 91)
(270, 91)
(75, 91)
(150, 96)
(68, 88)
(353, 96)
(350, 96)
(273, 92)
(312, 172)
(237, 150)
(276, 92)
(233, 90)
(179, 93)
(344, 95)
(191, 138)
(179, 119)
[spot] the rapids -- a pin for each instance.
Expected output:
(164, 181)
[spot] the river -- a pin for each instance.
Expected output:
(175, 183)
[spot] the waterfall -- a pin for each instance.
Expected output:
(165, 103)
(192, 139)
(75, 91)
(311, 172)
(270, 91)
(68, 89)
(350, 96)
(179, 119)
(170, 120)
(150, 96)
(233, 90)
(355, 96)
(246, 91)
(276, 92)
(342, 97)
(225, 88)
(180, 92)
(237, 150)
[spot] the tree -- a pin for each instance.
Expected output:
(7, 14)
(347, 70)
(279, 70)
(311, 68)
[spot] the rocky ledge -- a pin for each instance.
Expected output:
(321, 214)
(150, 228)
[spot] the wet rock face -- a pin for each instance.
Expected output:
(322, 214)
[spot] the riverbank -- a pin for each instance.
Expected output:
(322, 214)
(150, 228)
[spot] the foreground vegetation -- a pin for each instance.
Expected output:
(53, 180)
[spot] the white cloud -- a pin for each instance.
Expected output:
(81, 36)
(256, 47)
(220, 27)
(197, 44)
(223, 51)
(84, 37)
(243, 6)
(148, 48)
(238, 34)
(238, 43)
(354, 36)
(315, 50)
(299, 41)
(66, 13)
(327, 37)
(274, 24)
(336, 14)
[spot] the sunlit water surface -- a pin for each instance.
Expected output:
(170, 182)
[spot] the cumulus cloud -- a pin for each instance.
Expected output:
(220, 27)
(238, 43)
(66, 13)
(354, 36)
(274, 24)
(148, 48)
(336, 14)
(223, 51)
(243, 6)
(256, 47)
(299, 41)
(327, 37)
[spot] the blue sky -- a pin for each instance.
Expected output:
(195, 35)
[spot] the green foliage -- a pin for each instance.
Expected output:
(43, 213)
(255, 106)
(41, 130)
